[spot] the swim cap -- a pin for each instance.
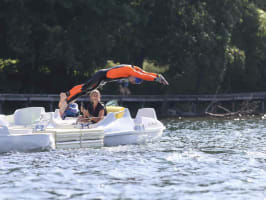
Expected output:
(138, 80)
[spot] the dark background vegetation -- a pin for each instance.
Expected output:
(201, 46)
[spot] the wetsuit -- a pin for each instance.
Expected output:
(107, 75)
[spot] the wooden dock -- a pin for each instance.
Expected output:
(162, 101)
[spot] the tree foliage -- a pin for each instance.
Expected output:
(202, 46)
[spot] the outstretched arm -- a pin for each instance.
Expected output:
(139, 73)
(127, 71)
(158, 77)
(144, 72)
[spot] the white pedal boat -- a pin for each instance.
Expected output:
(125, 130)
(32, 129)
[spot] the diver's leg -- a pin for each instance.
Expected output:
(95, 81)
(73, 93)
(82, 89)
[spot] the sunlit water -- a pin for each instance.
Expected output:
(196, 159)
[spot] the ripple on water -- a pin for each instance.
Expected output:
(196, 159)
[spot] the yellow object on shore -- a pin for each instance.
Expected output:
(119, 110)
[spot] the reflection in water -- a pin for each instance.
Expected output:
(196, 159)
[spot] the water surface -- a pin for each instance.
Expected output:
(196, 159)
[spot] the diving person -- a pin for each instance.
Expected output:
(134, 74)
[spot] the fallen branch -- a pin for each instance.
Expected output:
(246, 108)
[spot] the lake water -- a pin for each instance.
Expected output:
(196, 159)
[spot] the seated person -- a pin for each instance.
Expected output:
(67, 110)
(94, 110)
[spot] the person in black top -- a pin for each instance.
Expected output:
(94, 110)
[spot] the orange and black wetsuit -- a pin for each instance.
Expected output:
(106, 75)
